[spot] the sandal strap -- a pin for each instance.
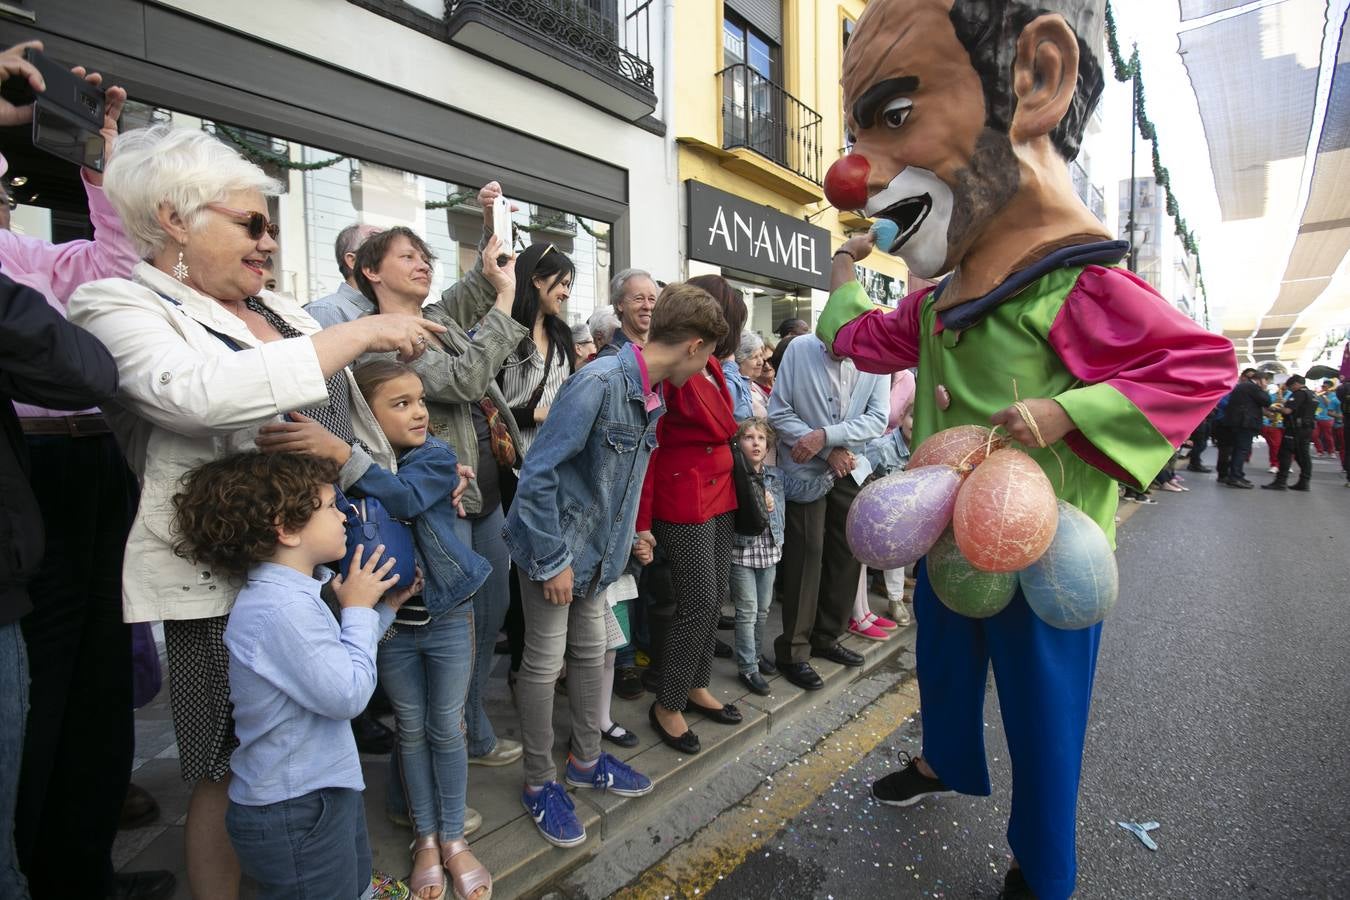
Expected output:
(610, 730)
(427, 876)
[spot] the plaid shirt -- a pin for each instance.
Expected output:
(760, 553)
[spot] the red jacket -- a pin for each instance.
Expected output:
(689, 477)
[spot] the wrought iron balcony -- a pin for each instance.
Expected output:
(598, 50)
(763, 117)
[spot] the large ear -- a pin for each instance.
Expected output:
(1045, 77)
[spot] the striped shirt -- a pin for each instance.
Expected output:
(520, 377)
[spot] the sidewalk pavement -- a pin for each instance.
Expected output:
(508, 844)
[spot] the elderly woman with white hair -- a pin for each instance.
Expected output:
(207, 359)
(749, 359)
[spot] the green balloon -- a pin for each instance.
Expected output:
(964, 589)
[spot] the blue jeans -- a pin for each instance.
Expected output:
(425, 671)
(13, 716)
(484, 535)
(751, 594)
(313, 846)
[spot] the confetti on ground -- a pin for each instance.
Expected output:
(1141, 830)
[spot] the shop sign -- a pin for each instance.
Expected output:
(730, 231)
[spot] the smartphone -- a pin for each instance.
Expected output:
(67, 116)
(501, 227)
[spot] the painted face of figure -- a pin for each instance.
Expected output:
(922, 156)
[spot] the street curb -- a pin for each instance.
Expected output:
(522, 862)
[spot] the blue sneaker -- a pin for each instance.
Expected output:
(609, 775)
(551, 810)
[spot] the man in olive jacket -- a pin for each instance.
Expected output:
(45, 361)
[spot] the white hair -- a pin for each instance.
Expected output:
(619, 283)
(182, 168)
(602, 323)
(750, 345)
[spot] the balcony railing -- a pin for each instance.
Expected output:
(761, 116)
(1089, 193)
(597, 31)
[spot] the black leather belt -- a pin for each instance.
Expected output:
(91, 425)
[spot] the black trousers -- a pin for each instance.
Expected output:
(1242, 448)
(819, 574)
(78, 747)
(1294, 447)
(1199, 441)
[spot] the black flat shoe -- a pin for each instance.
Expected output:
(802, 675)
(840, 654)
(767, 668)
(728, 714)
(686, 743)
(627, 739)
(726, 623)
(756, 683)
(628, 684)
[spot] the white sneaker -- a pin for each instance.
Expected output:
(505, 753)
(1274, 470)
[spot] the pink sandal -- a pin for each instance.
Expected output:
(881, 622)
(432, 876)
(475, 879)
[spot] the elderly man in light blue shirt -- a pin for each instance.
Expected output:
(825, 412)
(347, 303)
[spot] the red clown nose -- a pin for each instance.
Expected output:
(846, 182)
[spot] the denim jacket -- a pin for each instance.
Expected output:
(420, 493)
(773, 483)
(577, 502)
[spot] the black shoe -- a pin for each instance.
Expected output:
(1243, 483)
(1301, 486)
(839, 654)
(1200, 468)
(138, 809)
(1015, 887)
(628, 683)
(728, 714)
(767, 668)
(627, 739)
(686, 743)
(802, 675)
(756, 683)
(721, 649)
(908, 786)
(1275, 486)
(651, 680)
(371, 735)
(153, 885)
(726, 623)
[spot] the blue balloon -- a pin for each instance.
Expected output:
(1075, 583)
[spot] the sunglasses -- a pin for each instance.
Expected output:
(255, 222)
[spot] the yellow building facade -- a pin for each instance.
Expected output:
(757, 121)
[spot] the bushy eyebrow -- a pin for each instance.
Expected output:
(865, 107)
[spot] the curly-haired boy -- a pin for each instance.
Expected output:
(297, 675)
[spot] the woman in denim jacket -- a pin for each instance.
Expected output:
(571, 531)
(426, 666)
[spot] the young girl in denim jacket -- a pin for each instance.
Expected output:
(754, 559)
(426, 666)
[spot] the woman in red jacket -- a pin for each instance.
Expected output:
(688, 505)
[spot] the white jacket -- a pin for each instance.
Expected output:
(186, 397)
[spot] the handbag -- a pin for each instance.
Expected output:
(369, 524)
(752, 509)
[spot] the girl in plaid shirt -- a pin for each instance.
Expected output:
(754, 559)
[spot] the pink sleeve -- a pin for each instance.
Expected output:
(1114, 330)
(882, 343)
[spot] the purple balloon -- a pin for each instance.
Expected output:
(895, 520)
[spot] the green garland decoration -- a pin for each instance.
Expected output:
(1125, 70)
(450, 200)
(266, 157)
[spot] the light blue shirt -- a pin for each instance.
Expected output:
(812, 390)
(346, 305)
(297, 679)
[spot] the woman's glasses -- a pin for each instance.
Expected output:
(255, 222)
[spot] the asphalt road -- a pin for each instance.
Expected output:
(1221, 711)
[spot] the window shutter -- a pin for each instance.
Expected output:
(765, 16)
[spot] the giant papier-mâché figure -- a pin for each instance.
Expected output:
(962, 118)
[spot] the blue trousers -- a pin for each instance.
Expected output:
(1044, 680)
(311, 847)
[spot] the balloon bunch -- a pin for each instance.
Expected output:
(987, 518)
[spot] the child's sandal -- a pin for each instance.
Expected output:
(432, 876)
(475, 879)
